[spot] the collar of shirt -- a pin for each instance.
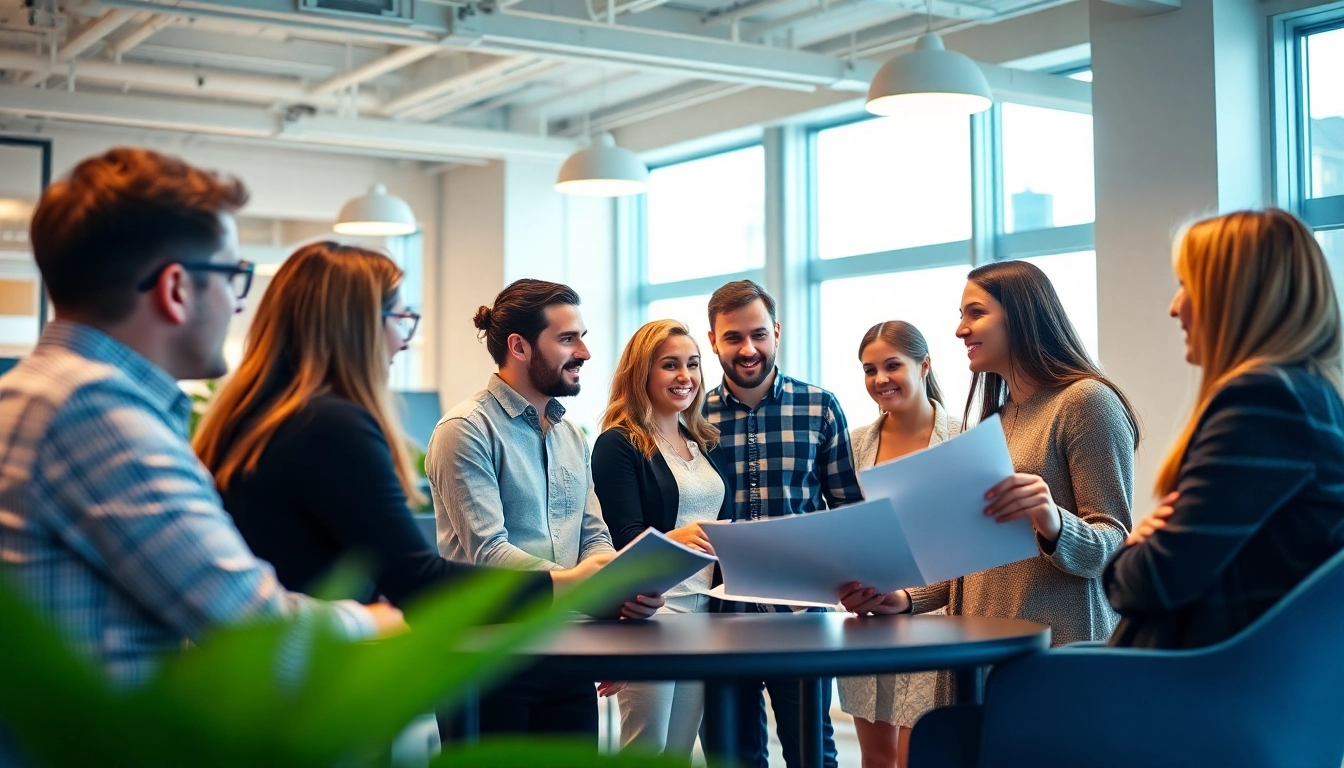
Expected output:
(516, 405)
(90, 343)
(776, 390)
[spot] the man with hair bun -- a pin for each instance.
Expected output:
(512, 485)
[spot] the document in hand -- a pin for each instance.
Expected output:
(652, 549)
(939, 497)
(922, 522)
(804, 559)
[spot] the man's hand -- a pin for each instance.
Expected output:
(642, 607)
(865, 600)
(387, 618)
(1155, 521)
(566, 578)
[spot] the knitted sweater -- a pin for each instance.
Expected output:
(1078, 440)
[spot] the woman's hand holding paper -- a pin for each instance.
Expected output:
(866, 600)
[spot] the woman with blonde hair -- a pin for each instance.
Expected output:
(652, 469)
(1254, 485)
(303, 440)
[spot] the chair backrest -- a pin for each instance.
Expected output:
(1271, 695)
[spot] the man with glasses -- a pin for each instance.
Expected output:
(108, 523)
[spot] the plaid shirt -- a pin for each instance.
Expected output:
(790, 454)
(108, 522)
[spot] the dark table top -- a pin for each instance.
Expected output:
(697, 646)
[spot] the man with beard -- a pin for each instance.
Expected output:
(511, 482)
(788, 446)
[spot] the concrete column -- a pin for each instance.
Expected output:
(1179, 109)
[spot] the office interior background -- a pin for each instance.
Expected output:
(1114, 122)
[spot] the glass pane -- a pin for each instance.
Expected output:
(1325, 102)
(694, 312)
(927, 298)
(20, 284)
(1075, 279)
(892, 183)
(1047, 168)
(707, 216)
(1332, 242)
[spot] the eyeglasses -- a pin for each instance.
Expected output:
(407, 322)
(239, 275)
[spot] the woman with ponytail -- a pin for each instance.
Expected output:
(1254, 486)
(899, 377)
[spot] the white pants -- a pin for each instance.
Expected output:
(664, 718)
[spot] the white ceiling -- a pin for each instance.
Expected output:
(468, 80)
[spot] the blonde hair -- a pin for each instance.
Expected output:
(318, 330)
(1260, 294)
(630, 408)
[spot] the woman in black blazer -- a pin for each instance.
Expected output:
(652, 468)
(304, 448)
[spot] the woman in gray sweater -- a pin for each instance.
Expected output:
(1072, 436)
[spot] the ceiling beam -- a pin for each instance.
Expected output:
(91, 35)
(139, 35)
(399, 58)
(471, 79)
(163, 79)
(373, 134)
(685, 55)
(452, 102)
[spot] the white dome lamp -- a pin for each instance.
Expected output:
(376, 213)
(603, 169)
(929, 81)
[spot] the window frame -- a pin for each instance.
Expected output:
(1292, 150)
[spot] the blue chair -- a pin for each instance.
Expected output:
(1271, 696)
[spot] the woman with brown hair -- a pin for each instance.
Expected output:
(303, 440)
(651, 469)
(898, 374)
(1253, 501)
(1071, 435)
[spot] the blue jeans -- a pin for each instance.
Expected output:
(750, 723)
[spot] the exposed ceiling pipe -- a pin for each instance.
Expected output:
(238, 87)
(139, 35)
(393, 61)
(92, 34)
(658, 107)
(400, 106)
(887, 43)
(743, 12)
(761, 30)
(453, 101)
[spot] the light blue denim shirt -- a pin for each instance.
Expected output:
(507, 495)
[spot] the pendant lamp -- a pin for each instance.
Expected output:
(929, 81)
(376, 213)
(603, 169)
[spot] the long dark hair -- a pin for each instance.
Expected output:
(1042, 344)
(907, 340)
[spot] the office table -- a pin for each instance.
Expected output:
(809, 646)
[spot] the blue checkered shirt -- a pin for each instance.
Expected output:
(790, 454)
(108, 522)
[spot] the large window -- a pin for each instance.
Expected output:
(706, 217)
(1312, 144)
(1047, 168)
(897, 211)
(887, 184)
(1323, 66)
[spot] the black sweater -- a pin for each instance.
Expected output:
(325, 487)
(638, 492)
(1261, 508)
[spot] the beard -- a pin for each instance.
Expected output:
(746, 381)
(550, 380)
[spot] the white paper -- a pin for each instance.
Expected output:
(939, 497)
(809, 557)
(723, 595)
(654, 544)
